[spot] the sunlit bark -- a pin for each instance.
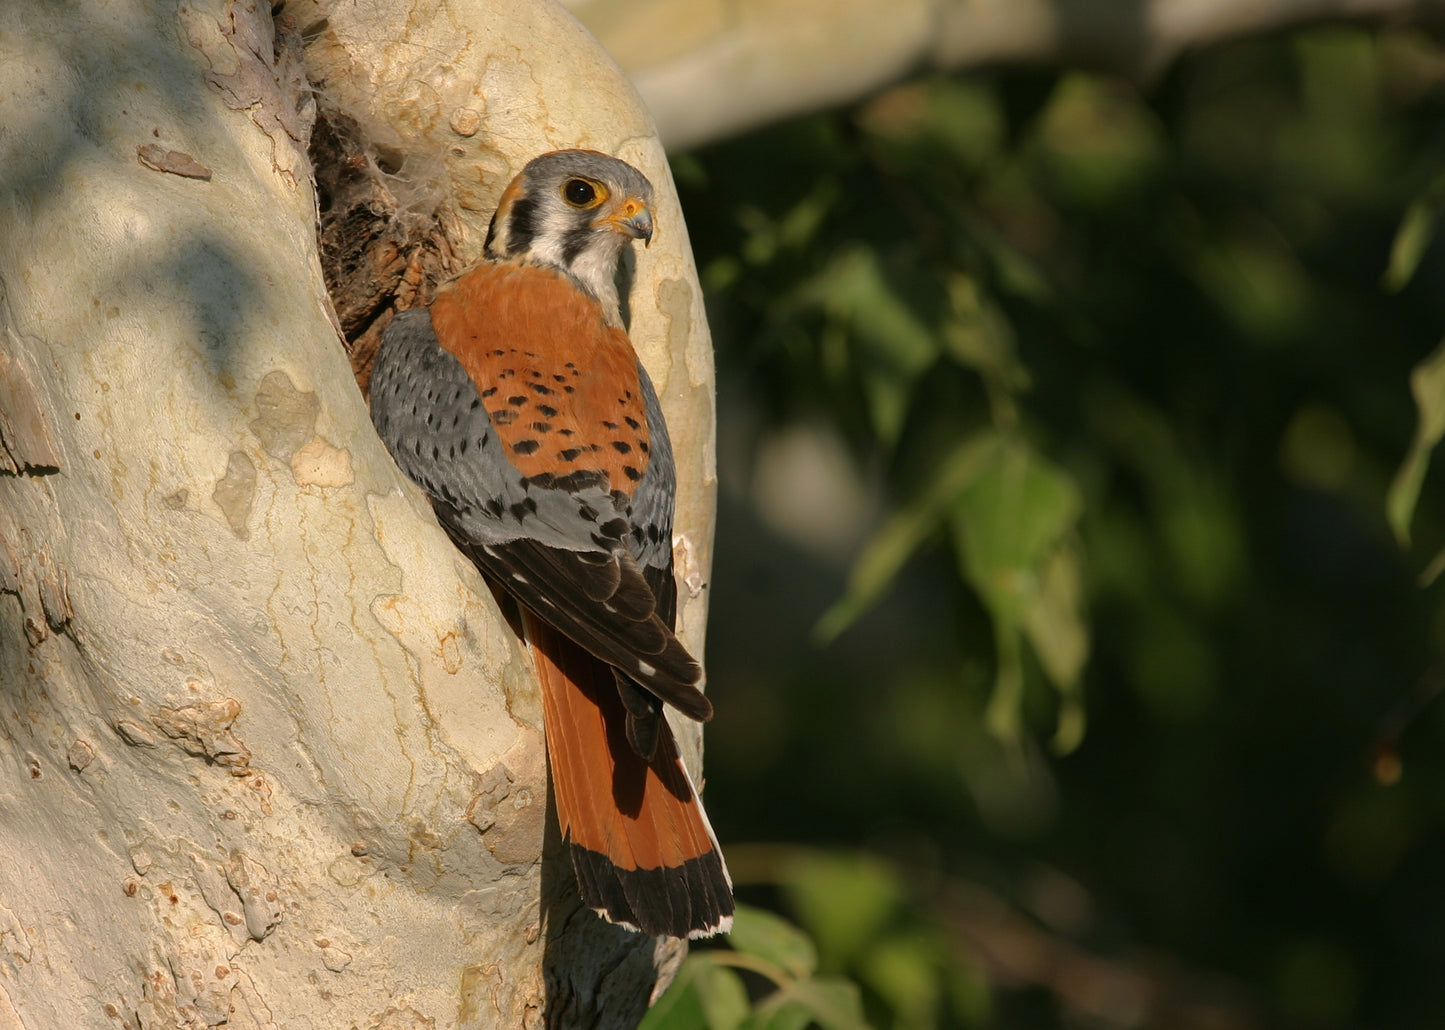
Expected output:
(269, 757)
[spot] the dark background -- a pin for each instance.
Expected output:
(1063, 358)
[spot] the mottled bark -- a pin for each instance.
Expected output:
(269, 755)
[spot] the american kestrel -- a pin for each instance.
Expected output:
(517, 402)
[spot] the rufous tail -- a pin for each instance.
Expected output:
(642, 849)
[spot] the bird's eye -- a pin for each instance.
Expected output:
(579, 192)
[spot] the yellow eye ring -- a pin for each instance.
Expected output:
(583, 193)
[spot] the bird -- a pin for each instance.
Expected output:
(516, 401)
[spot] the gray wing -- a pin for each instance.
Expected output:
(596, 565)
(651, 543)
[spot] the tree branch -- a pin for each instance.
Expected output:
(712, 68)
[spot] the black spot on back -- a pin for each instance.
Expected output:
(582, 479)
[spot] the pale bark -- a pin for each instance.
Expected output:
(268, 754)
(712, 68)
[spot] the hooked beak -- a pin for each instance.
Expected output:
(633, 219)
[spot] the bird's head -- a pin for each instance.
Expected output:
(574, 210)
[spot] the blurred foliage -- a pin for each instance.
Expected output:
(882, 942)
(1044, 395)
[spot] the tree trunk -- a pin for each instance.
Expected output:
(269, 755)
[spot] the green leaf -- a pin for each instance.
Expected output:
(891, 344)
(1051, 620)
(680, 1007)
(1416, 231)
(1004, 714)
(978, 336)
(1071, 724)
(801, 224)
(761, 933)
(1012, 514)
(723, 996)
(1098, 141)
(1014, 524)
(1055, 626)
(705, 995)
(1433, 570)
(904, 533)
(904, 970)
(779, 1013)
(1427, 384)
(841, 899)
(832, 1002)
(1009, 519)
(1256, 278)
